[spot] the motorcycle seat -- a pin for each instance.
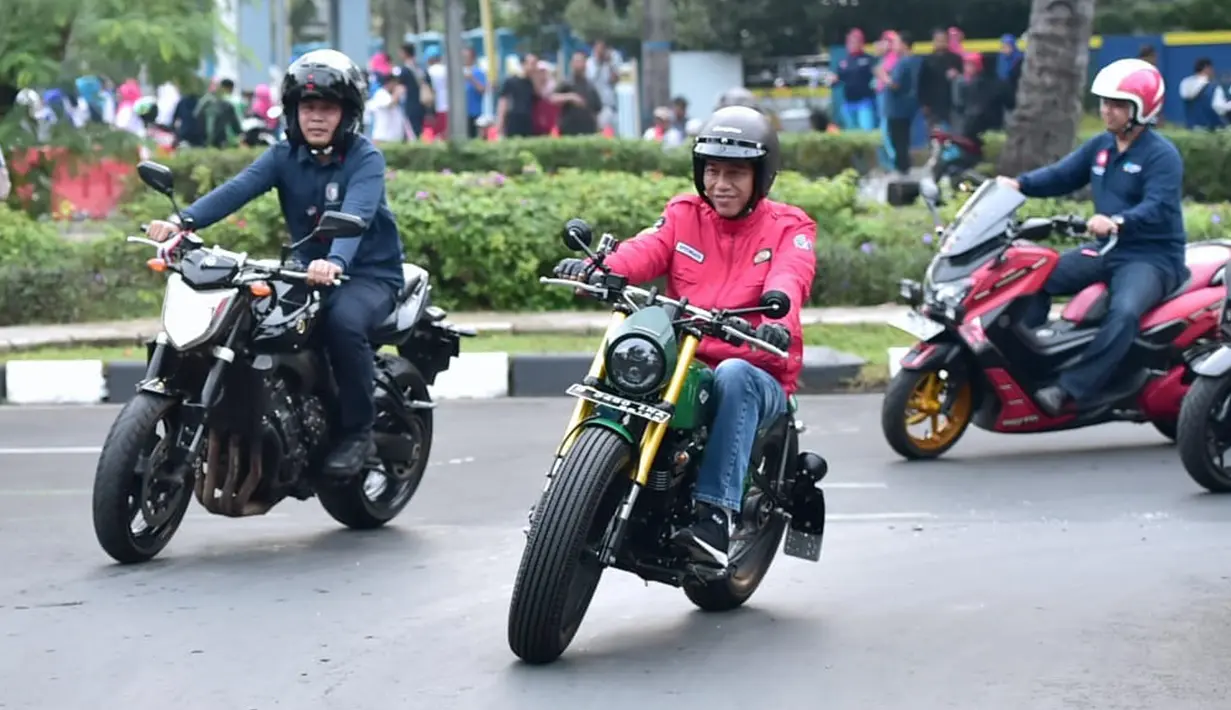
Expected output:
(409, 305)
(1090, 305)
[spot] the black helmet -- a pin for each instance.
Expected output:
(330, 75)
(738, 133)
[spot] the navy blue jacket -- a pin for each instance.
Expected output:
(903, 101)
(1143, 185)
(855, 73)
(353, 183)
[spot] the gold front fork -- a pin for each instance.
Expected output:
(655, 432)
(598, 368)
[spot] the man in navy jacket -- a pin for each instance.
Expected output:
(1136, 176)
(327, 164)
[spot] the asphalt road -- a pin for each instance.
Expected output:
(1077, 570)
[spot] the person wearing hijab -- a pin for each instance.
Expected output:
(262, 101)
(90, 99)
(889, 59)
(126, 116)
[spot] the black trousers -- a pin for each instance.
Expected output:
(351, 311)
(899, 138)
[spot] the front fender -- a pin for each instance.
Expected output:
(610, 425)
(1216, 364)
(933, 355)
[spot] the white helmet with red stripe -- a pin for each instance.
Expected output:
(1136, 81)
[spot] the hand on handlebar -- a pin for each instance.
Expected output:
(161, 230)
(1102, 225)
(323, 272)
(775, 334)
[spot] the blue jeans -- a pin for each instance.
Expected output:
(1134, 287)
(886, 152)
(859, 115)
(745, 398)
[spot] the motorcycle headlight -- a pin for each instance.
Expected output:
(636, 365)
(951, 293)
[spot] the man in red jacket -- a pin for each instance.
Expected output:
(723, 248)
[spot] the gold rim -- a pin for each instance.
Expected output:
(927, 403)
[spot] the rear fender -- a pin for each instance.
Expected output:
(1216, 364)
(432, 345)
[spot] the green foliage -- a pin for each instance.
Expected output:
(1207, 158)
(486, 237)
(812, 154)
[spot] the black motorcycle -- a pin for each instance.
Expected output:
(238, 400)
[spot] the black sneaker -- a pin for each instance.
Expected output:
(708, 538)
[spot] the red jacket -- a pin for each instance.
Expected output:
(722, 263)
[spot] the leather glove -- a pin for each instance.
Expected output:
(571, 268)
(774, 334)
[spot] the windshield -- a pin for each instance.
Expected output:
(985, 215)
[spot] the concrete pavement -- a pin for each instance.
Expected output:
(1072, 570)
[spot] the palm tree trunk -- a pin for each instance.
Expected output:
(1054, 76)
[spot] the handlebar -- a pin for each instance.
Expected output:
(630, 291)
(250, 270)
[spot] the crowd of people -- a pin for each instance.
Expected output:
(536, 98)
(955, 89)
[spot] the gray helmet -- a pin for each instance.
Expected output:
(738, 133)
(738, 96)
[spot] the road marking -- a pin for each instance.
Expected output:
(875, 517)
(49, 450)
(824, 485)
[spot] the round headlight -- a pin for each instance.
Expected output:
(636, 365)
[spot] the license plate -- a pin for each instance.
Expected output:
(917, 325)
(637, 409)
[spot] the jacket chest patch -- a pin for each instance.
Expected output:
(690, 252)
(331, 193)
(762, 256)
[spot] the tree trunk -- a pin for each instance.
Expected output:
(1043, 127)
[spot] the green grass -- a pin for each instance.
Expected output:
(867, 341)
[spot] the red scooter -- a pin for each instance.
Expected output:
(977, 362)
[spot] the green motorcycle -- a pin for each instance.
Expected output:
(621, 480)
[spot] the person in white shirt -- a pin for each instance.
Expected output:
(5, 184)
(389, 124)
(438, 75)
(602, 71)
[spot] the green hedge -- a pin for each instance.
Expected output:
(486, 239)
(1207, 158)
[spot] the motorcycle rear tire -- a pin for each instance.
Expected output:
(555, 584)
(349, 503)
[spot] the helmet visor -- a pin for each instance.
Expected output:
(728, 149)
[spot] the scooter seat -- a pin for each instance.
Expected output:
(1090, 305)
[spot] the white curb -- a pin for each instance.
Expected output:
(54, 382)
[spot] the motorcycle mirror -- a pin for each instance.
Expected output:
(339, 225)
(159, 177)
(776, 304)
(577, 235)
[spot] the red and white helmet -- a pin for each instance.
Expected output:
(1136, 81)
